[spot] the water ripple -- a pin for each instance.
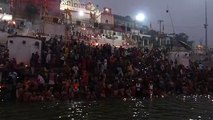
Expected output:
(171, 108)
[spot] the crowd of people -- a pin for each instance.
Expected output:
(66, 71)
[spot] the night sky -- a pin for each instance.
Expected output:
(188, 15)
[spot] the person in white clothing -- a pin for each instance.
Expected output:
(151, 90)
(41, 79)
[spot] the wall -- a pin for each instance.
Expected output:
(108, 38)
(23, 52)
(53, 7)
(76, 17)
(111, 42)
(181, 57)
(112, 34)
(54, 29)
(3, 37)
(107, 17)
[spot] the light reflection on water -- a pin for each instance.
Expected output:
(194, 107)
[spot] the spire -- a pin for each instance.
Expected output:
(45, 8)
(163, 29)
(150, 26)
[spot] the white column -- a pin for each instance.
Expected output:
(143, 43)
(160, 42)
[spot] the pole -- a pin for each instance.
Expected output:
(206, 26)
(160, 22)
(159, 37)
(15, 4)
(171, 19)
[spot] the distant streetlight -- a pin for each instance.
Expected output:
(140, 17)
(81, 13)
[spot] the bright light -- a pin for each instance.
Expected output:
(96, 44)
(6, 17)
(140, 17)
(81, 13)
(14, 22)
(107, 9)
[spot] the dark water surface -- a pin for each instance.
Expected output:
(172, 108)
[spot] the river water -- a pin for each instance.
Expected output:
(171, 108)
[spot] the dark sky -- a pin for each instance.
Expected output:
(188, 15)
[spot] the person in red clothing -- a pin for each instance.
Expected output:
(85, 78)
(83, 64)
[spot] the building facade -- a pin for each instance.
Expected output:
(5, 10)
(5, 6)
(107, 16)
(40, 7)
(22, 47)
(76, 10)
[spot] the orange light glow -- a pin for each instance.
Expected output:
(14, 22)
(96, 44)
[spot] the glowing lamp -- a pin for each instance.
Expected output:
(14, 22)
(107, 9)
(81, 13)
